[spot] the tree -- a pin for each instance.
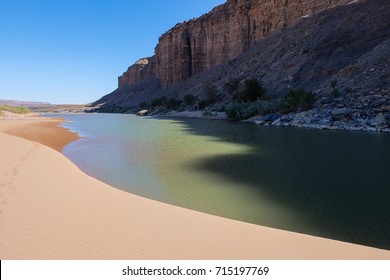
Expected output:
(189, 99)
(297, 100)
(252, 91)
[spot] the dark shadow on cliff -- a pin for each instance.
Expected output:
(337, 182)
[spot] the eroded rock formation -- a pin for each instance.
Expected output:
(341, 55)
(221, 35)
(140, 70)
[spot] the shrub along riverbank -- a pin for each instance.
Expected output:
(249, 99)
(15, 110)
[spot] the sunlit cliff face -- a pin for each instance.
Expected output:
(224, 33)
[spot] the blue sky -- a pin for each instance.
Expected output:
(72, 51)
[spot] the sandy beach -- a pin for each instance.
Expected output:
(38, 129)
(49, 209)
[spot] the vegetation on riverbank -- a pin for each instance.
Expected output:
(16, 110)
(247, 98)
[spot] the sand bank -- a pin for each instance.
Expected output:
(38, 129)
(49, 209)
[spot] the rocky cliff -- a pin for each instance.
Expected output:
(340, 54)
(224, 33)
(140, 70)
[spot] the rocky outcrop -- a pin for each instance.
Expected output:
(221, 35)
(340, 54)
(224, 33)
(140, 70)
(362, 112)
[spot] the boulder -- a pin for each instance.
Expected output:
(142, 113)
(287, 118)
(324, 121)
(341, 113)
(277, 122)
(380, 118)
(269, 118)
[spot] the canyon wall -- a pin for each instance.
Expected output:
(140, 70)
(221, 35)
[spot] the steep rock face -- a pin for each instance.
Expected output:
(224, 33)
(140, 70)
(349, 45)
(221, 35)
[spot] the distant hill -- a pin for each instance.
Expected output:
(27, 104)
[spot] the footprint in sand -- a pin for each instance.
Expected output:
(15, 171)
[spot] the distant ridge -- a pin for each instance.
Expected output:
(28, 104)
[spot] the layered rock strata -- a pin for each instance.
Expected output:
(140, 70)
(341, 55)
(221, 35)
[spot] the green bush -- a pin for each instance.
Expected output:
(16, 110)
(218, 107)
(114, 109)
(239, 111)
(297, 100)
(207, 113)
(173, 103)
(202, 104)
(245, 110)
(157, 102)
(189, 99)
(164, 103)
(143, 105)
(252, 91)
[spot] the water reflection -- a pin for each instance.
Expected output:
(336, 184)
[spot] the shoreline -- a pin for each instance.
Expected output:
(306, 119)
(38, 129)
(49, 209)
(297, 120)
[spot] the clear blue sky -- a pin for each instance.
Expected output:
(72, 51)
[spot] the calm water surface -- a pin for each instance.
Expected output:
(324, 183)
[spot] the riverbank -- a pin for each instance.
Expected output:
(198, 114)
(52, 210)
(38, 129)
(336, 119)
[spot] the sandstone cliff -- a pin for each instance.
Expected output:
(349, 44)
(140, 70)
(223, 34)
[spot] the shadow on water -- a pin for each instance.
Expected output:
(337, 182)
